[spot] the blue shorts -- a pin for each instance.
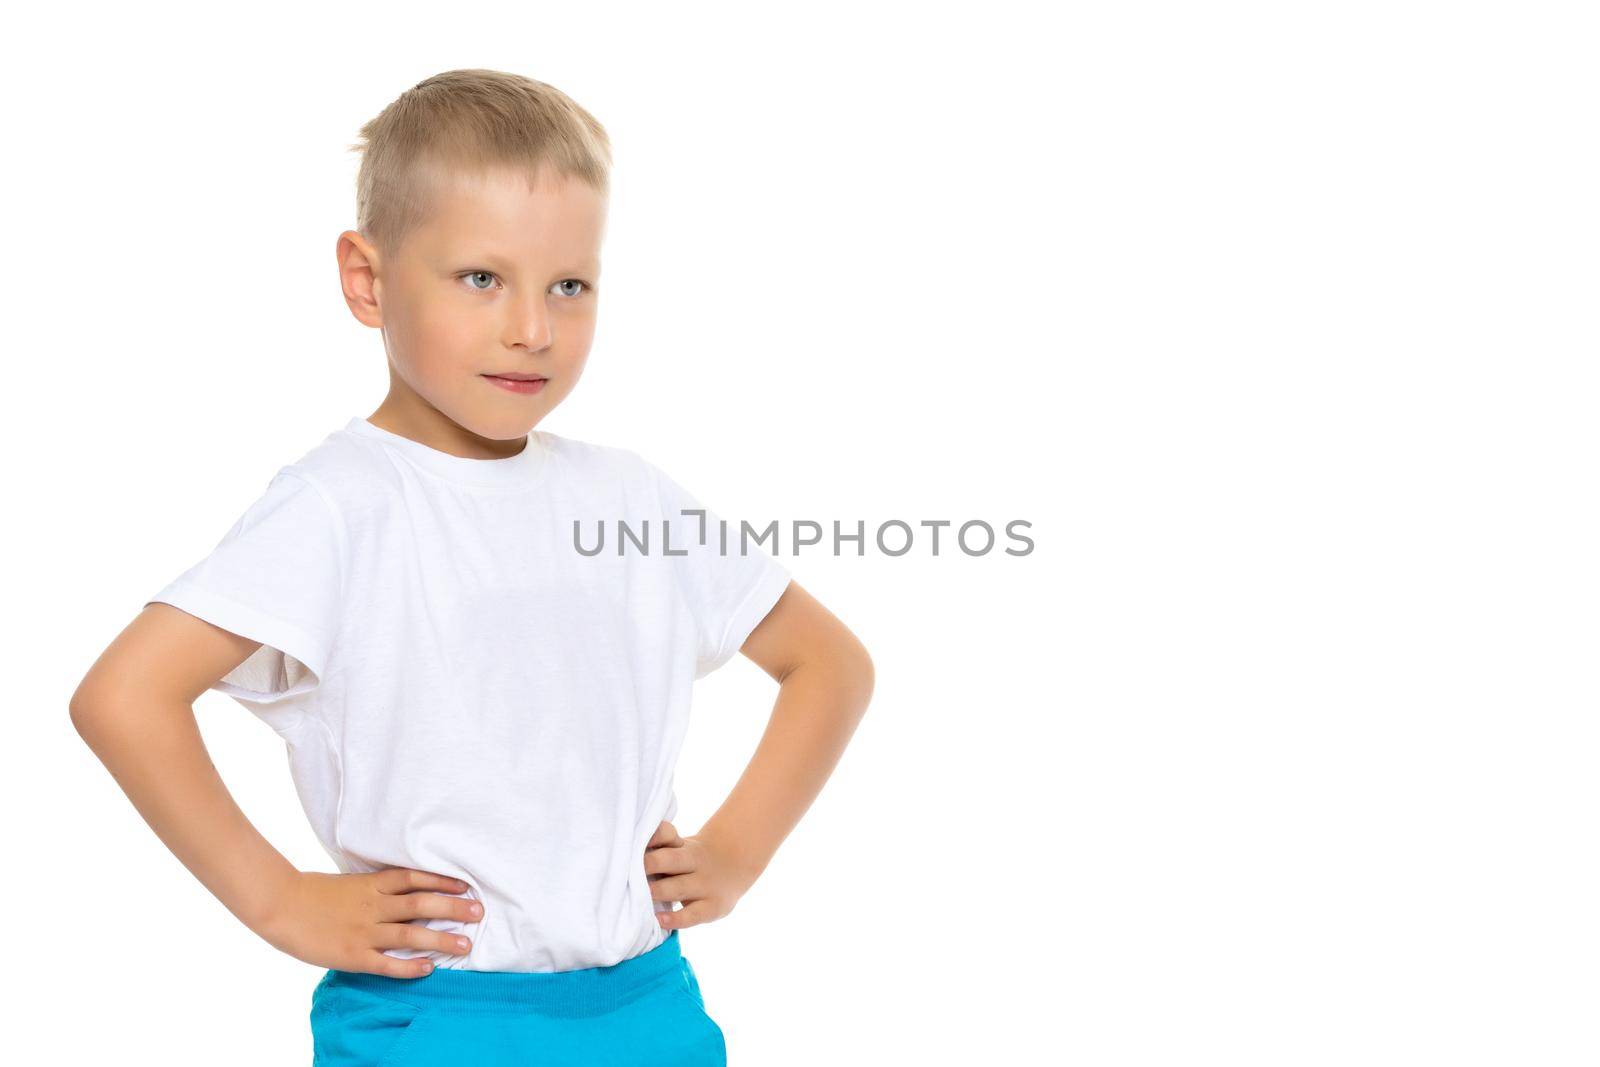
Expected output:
(644, 1010)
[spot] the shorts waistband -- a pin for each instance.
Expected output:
(586, 991)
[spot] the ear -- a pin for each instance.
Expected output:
(358, 277)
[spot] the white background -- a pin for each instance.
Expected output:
(1276, 321)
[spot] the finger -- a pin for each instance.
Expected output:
(669, 860)
(692, 914)
(415, 936)
(406, 879)
(666, 834)
(678, 887)
(398, 907)
(394, 967)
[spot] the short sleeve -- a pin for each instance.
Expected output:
(275, 577)
(729, 580)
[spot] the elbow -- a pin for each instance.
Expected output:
(82, 709)
(859, 674)
(89, 708)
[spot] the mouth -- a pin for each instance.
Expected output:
(518, 383)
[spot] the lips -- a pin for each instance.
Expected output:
(525, 385)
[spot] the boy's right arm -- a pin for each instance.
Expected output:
(134, 708)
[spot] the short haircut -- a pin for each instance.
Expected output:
(468, 121)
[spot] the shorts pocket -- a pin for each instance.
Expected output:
(688, 987)
(407, 1043)
(359, 1029)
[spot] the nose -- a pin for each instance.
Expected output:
(530, 324)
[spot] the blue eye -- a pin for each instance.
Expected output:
(472, 277)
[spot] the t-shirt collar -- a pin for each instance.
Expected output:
(522, 469)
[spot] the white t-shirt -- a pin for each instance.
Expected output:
(462, 690)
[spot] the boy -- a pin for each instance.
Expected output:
(482, 711)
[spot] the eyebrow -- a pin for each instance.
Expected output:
(491, 259)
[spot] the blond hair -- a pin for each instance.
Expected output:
(467, 121)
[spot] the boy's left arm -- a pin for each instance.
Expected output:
(825, 680)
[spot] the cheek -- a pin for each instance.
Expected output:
(577, 334)
(445, 337)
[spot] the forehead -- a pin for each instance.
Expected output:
(509, 209)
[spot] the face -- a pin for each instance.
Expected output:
(501, 279)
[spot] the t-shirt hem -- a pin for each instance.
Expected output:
(748, 615)
(248, 622)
